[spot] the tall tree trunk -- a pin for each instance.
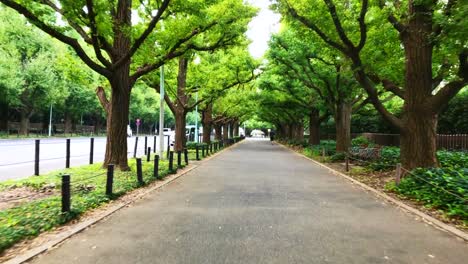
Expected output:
(314, 127)
(287, 131)
(343, 126)
(207, 121)
(117, 120)
(179, 108)
(418, 136)
(299, 132)
(231, 130)
(3, 113)
(24, 123)
(68, 123)
(97, 124)
(218, 132)
(236, 128)
(118, 107)
(180, 139)
(225, 132)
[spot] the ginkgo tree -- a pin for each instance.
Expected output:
(129, 39)
(415, 49)
(210, 78)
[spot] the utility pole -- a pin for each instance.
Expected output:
(196, 117)
(161, 114)
(50, 121)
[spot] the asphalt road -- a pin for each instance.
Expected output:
(259, 203)
(17, 155)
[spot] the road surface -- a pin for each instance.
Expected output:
(17, 155)
(259, 203)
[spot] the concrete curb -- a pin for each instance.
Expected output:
(28, 255)
(439, 224)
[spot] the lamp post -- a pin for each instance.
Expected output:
(196, 61)
(50, 121)
(161, 114)
(196, 117)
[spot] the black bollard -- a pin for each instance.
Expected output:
(91, 151)
(186, 156)
(156, 166)
(36, 158)
(179, 159)
(171, 161)
(67, 155)
(135, 149)
(110, 179)
(148, 155)
(65, 193)
(139, 171)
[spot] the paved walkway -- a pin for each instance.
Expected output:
(259, 203)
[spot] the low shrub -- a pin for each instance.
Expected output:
(193, 145)
(361, 141)
(338, 157)
(389, 157)
(452, 159)
(328, 145)
(440, 188)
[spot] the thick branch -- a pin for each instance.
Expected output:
(94, 34)
(451, 89)
(139, 41)
(101, 94)
(339, 28)
(316, 29)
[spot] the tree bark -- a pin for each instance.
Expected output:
(24, 123)
(231, 130)
(117, 119)
(314, 127)
(418, 136)
(179, 106)
(180, 139)
(236, 128)
(207, 121)
(68, 123)
(343, 126)
(225, 132)
(300, 132)
(3, 113)
(218, 132)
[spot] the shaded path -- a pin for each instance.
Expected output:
(259, 203)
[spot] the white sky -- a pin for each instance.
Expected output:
(261, 27)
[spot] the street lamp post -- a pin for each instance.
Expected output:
(196, 61)
(161, 114)
(50, 121)
(196, 117)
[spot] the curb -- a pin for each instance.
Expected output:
(441, 225)
(31, 253)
